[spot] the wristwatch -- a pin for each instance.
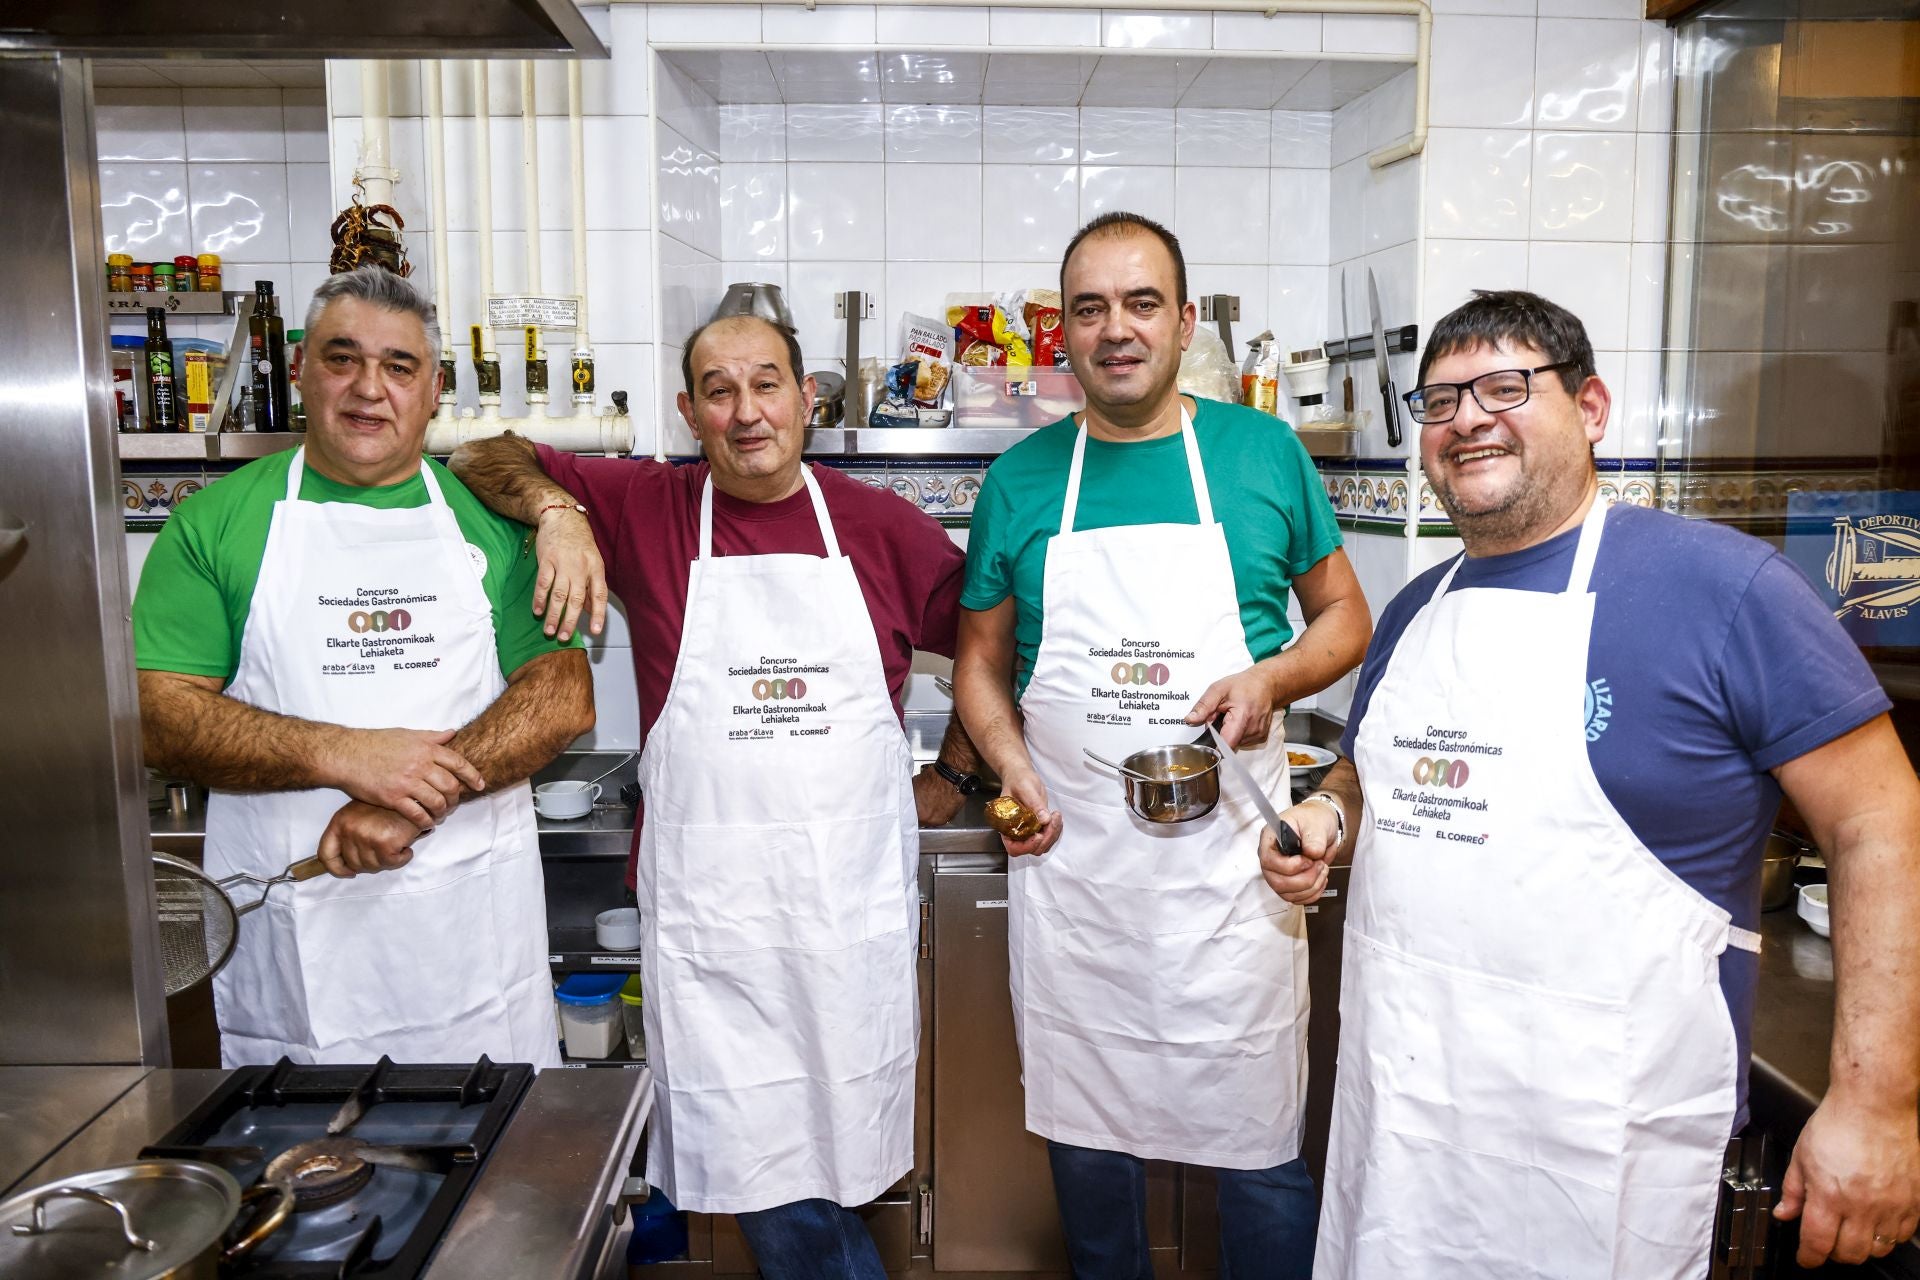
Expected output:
(966, 784)
(1339, 815)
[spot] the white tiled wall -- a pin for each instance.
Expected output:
(237, 172)
(1548, 168)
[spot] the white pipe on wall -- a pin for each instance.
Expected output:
(607, 433)
(483, 204)
(437, 181)
(530, 173)
(375, 173)
(577, 168)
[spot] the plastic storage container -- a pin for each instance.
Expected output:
(590, 1013)
(631, 1009)
(996, 396)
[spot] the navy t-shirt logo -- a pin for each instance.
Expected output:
(1599, 709)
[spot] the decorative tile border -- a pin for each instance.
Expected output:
(945, 489)
(148, 496)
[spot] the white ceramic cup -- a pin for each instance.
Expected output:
(565, 799)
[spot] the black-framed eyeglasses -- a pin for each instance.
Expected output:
(1494, 392)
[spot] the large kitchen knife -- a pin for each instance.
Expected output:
(1346, 350)
(1289, 838)
(1381, 365)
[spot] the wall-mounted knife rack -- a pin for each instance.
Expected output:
(1403, 339)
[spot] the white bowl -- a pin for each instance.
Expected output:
(1813, 907)
(618, 929)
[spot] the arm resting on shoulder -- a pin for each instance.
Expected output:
(983, 697)
(1855, 1177)
(504, 472)
(192, 729)
(1339, 624)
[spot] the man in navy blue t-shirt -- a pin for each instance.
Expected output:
(1571, 742)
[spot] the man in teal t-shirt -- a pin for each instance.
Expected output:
(339, 642)
(1128, 573)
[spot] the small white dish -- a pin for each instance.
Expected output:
(1813, 907)
(565, 800)
(618, 929)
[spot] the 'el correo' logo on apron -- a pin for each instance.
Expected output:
(1428, 772)
(362, 620)
(1126, 673)
(763, 690)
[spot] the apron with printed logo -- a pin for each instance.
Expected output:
(778, 888)
(1159, 986)
(378, 619)
(1537, 1066)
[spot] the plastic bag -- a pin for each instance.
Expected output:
(1207, 370)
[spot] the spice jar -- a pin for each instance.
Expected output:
(209, 274)
(163, 278)
(120, 273)
(141, 273)
(184, 268)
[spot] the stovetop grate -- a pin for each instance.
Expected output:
(426, 1128)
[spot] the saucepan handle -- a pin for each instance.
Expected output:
(270, 1218)
(39, 1223)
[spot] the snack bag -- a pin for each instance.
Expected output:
(896, 407)
(1043, 321)
(930, 345)
(1260, 377)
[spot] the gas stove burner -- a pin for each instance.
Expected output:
(321, 1172)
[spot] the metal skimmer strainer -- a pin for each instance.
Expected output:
(199, 922)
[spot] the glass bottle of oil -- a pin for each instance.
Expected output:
(267, 346)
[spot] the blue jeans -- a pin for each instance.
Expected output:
(1267, 1217)
(811, 1240)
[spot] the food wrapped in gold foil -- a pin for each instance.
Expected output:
(1011, 818)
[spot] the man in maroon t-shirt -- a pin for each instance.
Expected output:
(769, 589)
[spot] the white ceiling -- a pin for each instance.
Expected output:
(208, 73)
(1028, 79)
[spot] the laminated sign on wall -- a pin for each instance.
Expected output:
(1862, 551)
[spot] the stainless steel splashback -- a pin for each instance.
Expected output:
(301, 28)
(78, 978)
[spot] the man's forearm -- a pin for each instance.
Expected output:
(504, 472)
(1332, 645)
(1875, 1056)
(205, 736)
(547, 704)
(956, 748)
(985, 708)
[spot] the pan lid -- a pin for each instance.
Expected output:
(173, 1210)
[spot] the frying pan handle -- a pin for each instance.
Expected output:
(269, 1220)
(307, 868)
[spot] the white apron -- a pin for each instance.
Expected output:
(377, 619)
(1537, 1067)
(778, 888)
(1159, 986)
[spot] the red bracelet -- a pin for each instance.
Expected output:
(559, 506)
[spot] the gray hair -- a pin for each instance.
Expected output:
(382, 288)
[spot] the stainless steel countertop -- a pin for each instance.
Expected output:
(539, 1210)
(42, 1108)
(1793, 1012)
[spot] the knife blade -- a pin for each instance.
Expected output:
(1289, 838)
(1381, 365)
(1346, 349)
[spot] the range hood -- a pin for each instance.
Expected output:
(298, 29)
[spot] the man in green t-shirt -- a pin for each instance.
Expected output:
(1127, 581)
(338, 642)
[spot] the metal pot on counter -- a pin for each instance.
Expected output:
(1778, 861)
(152, 1220)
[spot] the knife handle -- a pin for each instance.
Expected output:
(1289, 839)
(1346, 394)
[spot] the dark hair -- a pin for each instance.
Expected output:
(794, 360)
(1497, 317)
(1120, 222)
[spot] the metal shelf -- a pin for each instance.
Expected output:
(205, 446)
(174, 303)
(989, 442)
(574, 949)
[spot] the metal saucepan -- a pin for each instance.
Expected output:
(1783, 854)
(1176, 783)
(152, 1220)
(755, 299)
